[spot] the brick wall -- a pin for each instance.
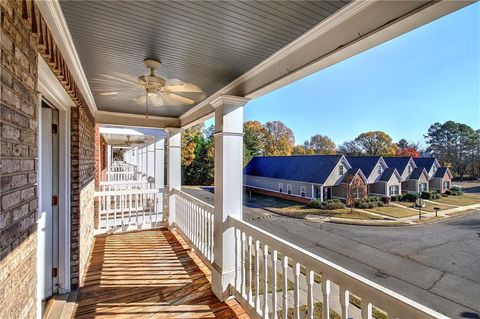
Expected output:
(18, 152)
(303, 200)
(83, 187)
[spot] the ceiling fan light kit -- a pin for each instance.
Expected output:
(157, 91)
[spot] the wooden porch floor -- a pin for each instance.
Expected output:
(149, 274)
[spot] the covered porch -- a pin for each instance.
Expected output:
(145, 274)
(126, 236)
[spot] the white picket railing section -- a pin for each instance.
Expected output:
(124, 185)
(122, 176)
(129, 209)
(194, 219)
(122, 167)
(258, 255)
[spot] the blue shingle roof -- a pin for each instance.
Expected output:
(365, 163)
(425, 162)
(387, 174)
(416, 173)
(302, 168)
(440, 172)
(400, 163)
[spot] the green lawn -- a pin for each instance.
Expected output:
(462, 200)
(428, 206)
(392, 211)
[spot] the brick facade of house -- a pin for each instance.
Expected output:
(83, 188)
(23, 36)
(18, 153)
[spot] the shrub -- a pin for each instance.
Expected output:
(373, 199)
(427, 195)
(410, 197)
(395, 198)
(316, 203)
(363, 205)
(372, 204)
(380, 204)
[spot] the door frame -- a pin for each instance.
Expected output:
(52, 91)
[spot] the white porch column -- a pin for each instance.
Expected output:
(159, 163)
(174, 169)
(109, 157)
(150, 150)
(228, 188)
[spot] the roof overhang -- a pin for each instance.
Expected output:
(355, 28)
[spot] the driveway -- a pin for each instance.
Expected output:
(437, 264)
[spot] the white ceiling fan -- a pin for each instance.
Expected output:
(127, 143)
(152, 89)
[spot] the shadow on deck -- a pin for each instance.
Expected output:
(150, 274)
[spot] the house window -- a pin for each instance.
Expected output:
(446, 185)
(393, 190)
(409, 168)
(423, 187)
(303, 191)
(340, 169)
(434, 169)
(380, 168)
(357, 193)
(280, 187)
(289, 189)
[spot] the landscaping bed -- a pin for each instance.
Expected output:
(303, 211)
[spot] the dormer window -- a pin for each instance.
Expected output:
(380, 169)
(409, 168)
(434, 168)
(340, 169)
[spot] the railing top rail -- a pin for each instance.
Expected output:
(192, 198)
(106, 183)
(130, 192)
(380, 296)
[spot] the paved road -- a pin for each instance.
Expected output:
(437, 265)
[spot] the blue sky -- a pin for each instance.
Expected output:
(431, 74)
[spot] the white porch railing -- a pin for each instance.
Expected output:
(262, 259)
(122, 176)
(131, 208)
(124, 185)
(122, 167)
(258, 250)
(195, 221)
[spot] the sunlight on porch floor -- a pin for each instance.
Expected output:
(150, 274)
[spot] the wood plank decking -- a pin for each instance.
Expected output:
(149, 274)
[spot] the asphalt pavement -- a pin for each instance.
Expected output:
(438, 265)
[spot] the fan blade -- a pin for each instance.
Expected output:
(186, 87)
(108, 93)
(174, 99)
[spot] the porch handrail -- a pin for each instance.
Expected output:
(123, 185)
(194, 220)
(129, 207)
(253, 242)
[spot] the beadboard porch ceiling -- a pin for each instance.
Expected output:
(201, 42)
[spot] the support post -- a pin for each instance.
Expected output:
(228, 188)
(174, 167)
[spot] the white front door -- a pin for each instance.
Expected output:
(47, 257)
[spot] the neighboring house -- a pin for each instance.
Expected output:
(374, 168)
(417, 181)
(440, 178)
(388, 185)
(352, 187)
(300, 178)
(404, 165)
